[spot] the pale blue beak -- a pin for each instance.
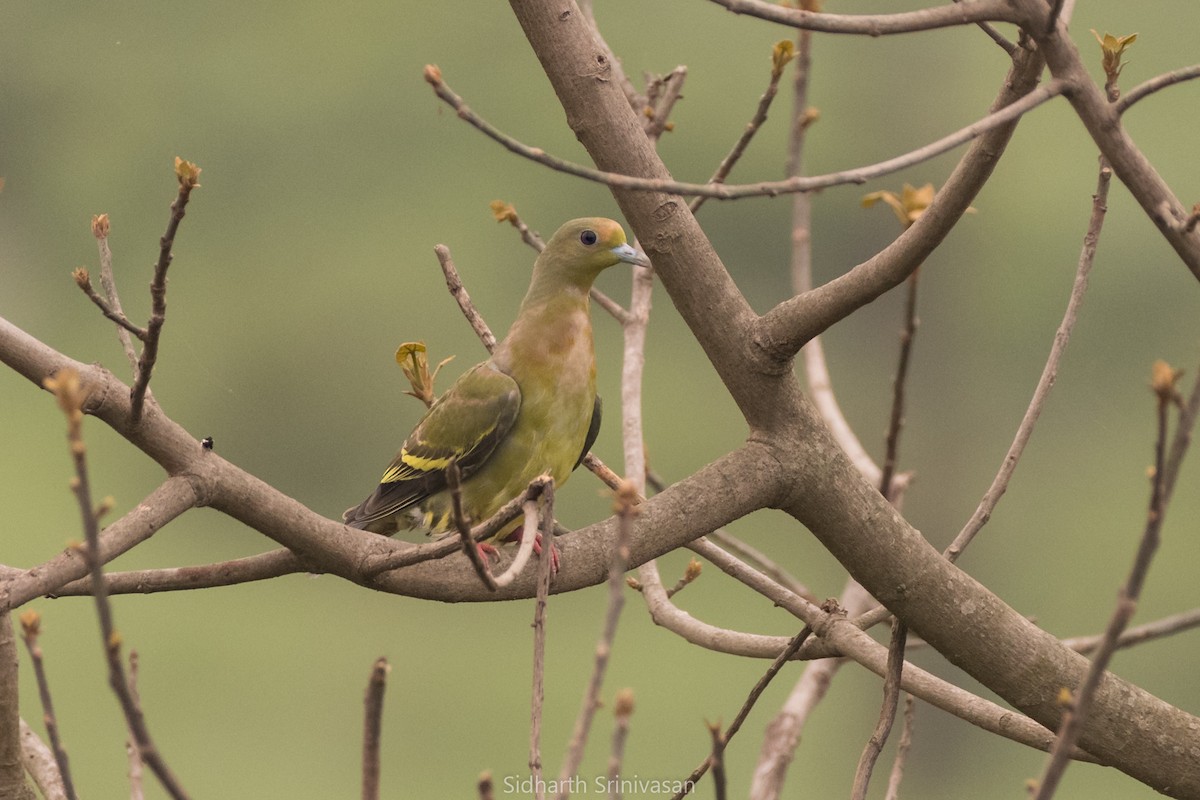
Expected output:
(627, 254)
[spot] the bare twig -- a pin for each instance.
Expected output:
(783, 733)
(996, 36)
(717, 760)
(1188, 412)
(545, 565)
(263, 566)
(887, 712)
(71, 396)
(781, 54)
(839, 636)
(189, 179)
(373, 727)
(30, 628)
(1147, 88)
(727, 540)
(1167, 626)
(461, 524)
(896, 420)
(1127, 599)
(876, 24)
(690, 573)
(507, 212)
(622, 711)
(662, 93)
(1016, 109)
(136, 787)
(125, 326)
(902, 748)
(1062, 336)
(786, 655)
(100, 229)
(602, 471)
(459, 292)
(484, 786)
(626, 509)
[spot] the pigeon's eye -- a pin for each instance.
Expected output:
(588, 237)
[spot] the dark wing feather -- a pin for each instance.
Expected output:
(465, 424)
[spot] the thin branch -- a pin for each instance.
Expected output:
(838, 636)
(1158, 629)
(622, 711)
(662, 93)
(784, 656)
(469, 548)
(188, 175)
(373, 728)
(857, 175)
(485, 787)
(545, 569)
(30, 628)
(626, 509)
(1127, 598)
(784, 732)
(261, 567)
(459, 292)
(887, 712)
(1147, 88)
(100, 229)
(717, 761)
(902, 748)
(136, 787)
(1062, 336)
(816, 369)
(124, 325)
(507, 212)
(780, 57)
(896, 419)
(876, 24)
(72, 395)
(1188, 412)
(722, 537)
(996, 36)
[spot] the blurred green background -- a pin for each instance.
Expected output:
(330, 171)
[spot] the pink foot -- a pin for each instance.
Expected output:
(487, 551)
(537, 548)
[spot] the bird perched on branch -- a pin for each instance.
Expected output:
(530, 409)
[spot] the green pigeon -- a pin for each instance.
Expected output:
(529, 410)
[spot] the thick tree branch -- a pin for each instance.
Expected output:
(748, 476)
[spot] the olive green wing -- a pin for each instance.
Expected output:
(464, 425)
